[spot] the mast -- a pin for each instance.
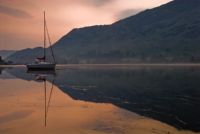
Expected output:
(44, 38)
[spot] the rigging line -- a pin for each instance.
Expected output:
(50, 43)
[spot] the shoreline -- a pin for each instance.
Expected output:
(135, 64)
(119, 65)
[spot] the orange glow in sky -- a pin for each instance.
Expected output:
(21, 21)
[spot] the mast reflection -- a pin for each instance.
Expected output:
(41, 76)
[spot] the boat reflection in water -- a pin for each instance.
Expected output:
(40, 76)
(42, 72)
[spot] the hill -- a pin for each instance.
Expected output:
(5, 53)
(169, 33)
(2, 62)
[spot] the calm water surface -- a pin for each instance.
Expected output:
(100, 100)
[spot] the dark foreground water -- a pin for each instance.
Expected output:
(101, 100)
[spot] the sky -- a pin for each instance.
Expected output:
(21, 21)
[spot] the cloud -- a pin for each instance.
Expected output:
(99, 2)
(14, 12)
(62, 16)
(126, 13)
(17, 41)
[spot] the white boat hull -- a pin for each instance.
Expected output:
(46, 66)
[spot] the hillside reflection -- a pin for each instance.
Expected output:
(168, 94)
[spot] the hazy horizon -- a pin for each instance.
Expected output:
(22, 21)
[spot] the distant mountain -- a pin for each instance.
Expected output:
(169, 33)
(2, 62)
(26, 55)
(5, 53)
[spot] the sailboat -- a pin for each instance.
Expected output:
(41, 63)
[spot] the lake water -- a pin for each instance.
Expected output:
(101, 100)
